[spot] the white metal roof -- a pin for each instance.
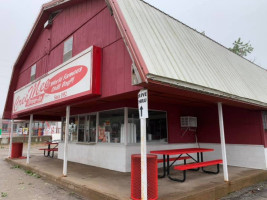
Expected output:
(174, 53)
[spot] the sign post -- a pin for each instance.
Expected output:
(143, 115)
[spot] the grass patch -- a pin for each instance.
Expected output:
(3, 194)
(30, 173)
(15, 167)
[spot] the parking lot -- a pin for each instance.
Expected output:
(16, 183)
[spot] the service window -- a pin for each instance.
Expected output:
(110, 126)
(73, 129)
(15, 127)
(5, 128)
(264, 120)
(68, 44)
(33, 72)
(156, 126)
(87, 128)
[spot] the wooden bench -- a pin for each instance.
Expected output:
(196, 165)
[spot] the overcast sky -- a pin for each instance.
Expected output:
(223, 21)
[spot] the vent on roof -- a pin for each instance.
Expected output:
(136, 79)
(49, 22)
(109, 7)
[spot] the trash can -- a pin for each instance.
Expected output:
(17, 150)
(152, 177)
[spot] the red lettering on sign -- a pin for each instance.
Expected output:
(60, 82)
(66, 79)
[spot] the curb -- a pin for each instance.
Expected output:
(211, 192)
(81, 190)
(222, 190)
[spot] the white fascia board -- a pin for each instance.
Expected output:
(205, 90)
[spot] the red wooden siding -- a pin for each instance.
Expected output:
(241, 126)
(55, 58)
(90, 23)
(38, 51)
(73, 17)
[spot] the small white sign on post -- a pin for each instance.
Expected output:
(143, 114)
(142, 104)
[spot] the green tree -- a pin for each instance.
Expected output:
(241, 48)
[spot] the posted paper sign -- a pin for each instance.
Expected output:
(143, 104)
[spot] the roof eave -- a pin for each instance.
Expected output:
(129, 40)
(205, 90)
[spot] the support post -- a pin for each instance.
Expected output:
(11, 139)
(225, 169)
(143, 160)
(29, 139)
(126, 126)
(97, 127)
(65, 161)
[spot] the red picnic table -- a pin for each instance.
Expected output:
(199, 163)
(50, 149)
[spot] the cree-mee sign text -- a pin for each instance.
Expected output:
(71, 79)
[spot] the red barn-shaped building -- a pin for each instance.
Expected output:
(95, 56)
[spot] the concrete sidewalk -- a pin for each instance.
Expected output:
(98, 183)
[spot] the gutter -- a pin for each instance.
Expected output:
(205, 90)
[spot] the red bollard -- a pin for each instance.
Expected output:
(152, 177)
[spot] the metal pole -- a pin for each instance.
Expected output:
(143, 160)
(29, 140)
(225, 169)
(65, 162)
(11, 139)
(126, 126)
(97, 127)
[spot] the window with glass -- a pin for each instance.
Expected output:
(264, 120)
(156, 126)
(73, 128)
(87, 128)
(5, 128)
(15, 127)
(82, 128)
(68, 44)
(33, 72)
(111, 126)
(35, 128)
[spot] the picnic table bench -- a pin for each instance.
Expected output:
(196, 165)
(50, 149)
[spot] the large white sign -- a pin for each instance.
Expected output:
(69, 80)
(142, 104)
